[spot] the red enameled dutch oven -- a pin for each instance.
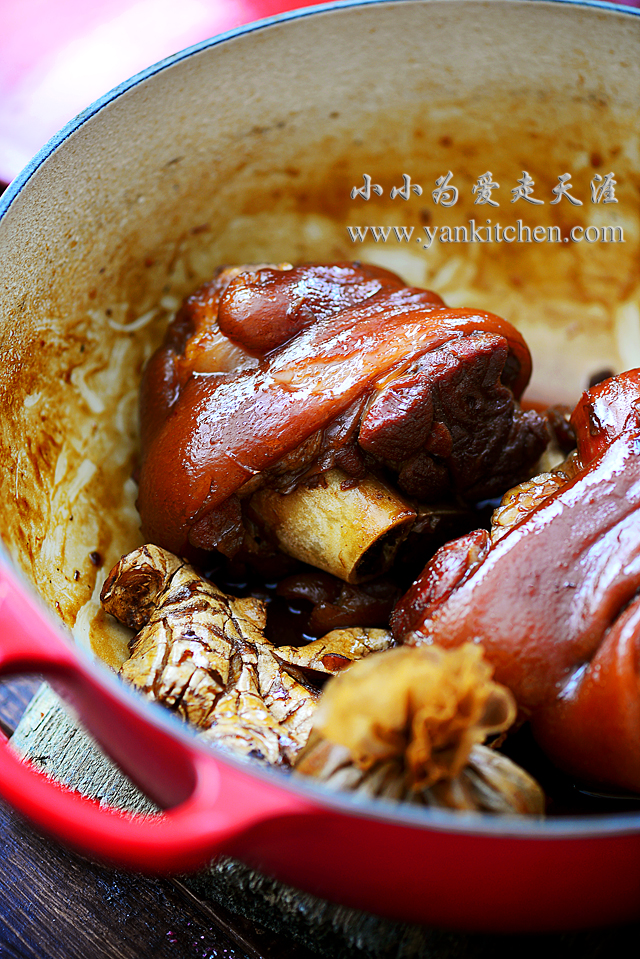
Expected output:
(246, 148)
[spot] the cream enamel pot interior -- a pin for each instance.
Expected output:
(246, 148)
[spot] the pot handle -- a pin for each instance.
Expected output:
(211, 802)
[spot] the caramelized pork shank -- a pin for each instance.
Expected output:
(553, 594)
(318, 380)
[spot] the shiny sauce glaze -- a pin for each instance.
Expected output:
(271, 374)
(555, 601)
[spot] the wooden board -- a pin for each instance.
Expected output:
(54, 903)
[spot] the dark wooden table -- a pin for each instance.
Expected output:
(56, 905)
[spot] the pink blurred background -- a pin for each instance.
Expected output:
(58, 56)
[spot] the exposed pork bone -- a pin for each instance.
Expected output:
(272, 376)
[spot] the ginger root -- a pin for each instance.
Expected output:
(204, 655)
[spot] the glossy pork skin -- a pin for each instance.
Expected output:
(260, 360)
(554, 602)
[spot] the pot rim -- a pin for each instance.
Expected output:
(485, 825)
(20, 181)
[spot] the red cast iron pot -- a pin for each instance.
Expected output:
(246, 148)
